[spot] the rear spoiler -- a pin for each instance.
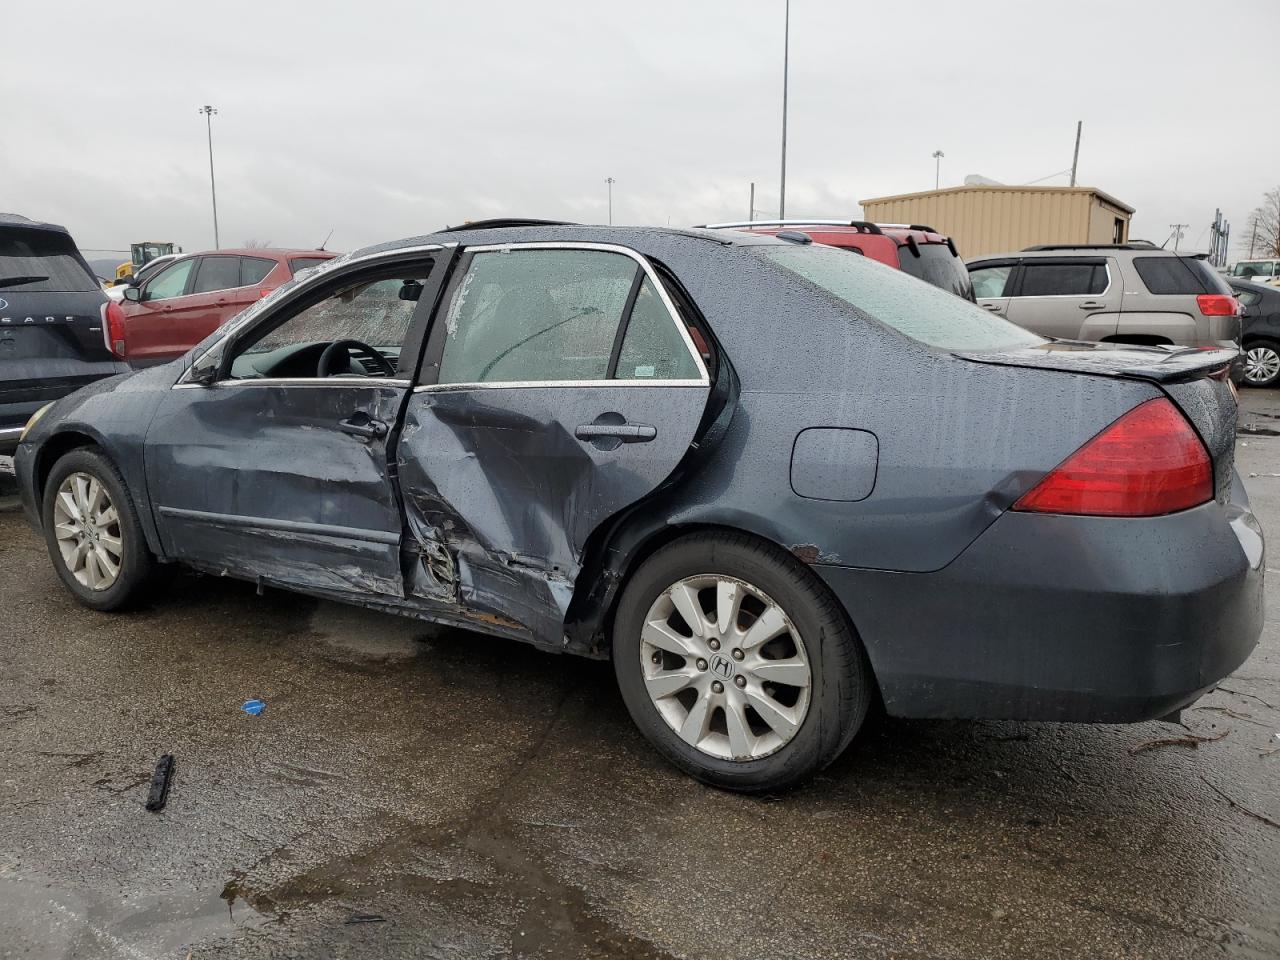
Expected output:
(1161, 364)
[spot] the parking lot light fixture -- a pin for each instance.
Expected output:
(937, 168)
(208, 112)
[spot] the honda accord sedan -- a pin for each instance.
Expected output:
(778, 485)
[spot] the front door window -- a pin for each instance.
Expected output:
(370, 315)
(171, 282)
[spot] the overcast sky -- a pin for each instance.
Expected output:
(383, 119)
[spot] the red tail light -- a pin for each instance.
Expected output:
(1218, 305)
(1149, 462)
(114, 328)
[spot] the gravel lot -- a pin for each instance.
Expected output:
(413, 791)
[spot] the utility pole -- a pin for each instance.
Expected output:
(1075, 157)
(1177, 233)
(786, 54)
(1253, 239)
(609, 181)
(751, 206)
(208, 112)
(937, 167)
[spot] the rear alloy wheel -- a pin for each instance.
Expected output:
(1262, 363)
(92, 531)
(737, 663)
(732, 682)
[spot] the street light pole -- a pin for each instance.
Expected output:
(609, 181)
(208, 112)
(786, 56)
(937, 168)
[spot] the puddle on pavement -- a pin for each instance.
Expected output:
(44, 921)
(370, 635)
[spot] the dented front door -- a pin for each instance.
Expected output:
(279, 469)
(264, 480)
(560, 389)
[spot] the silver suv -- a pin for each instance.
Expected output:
(1123, 293)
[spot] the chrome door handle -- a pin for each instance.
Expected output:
(993, 307)
(1091, 305)
(363, 427)
(626, 432)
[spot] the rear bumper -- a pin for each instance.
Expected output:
(1067, 618)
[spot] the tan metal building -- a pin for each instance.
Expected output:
(999, 219)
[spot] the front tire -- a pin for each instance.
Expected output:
(736, 662)
(1262, 363)
(92, 531)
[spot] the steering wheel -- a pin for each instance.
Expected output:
(344, 349)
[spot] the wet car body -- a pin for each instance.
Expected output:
(494, 509)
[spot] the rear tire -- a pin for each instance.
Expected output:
(92, 532)
(767, 688)
(1261, 363)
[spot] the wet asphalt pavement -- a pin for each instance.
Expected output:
(420, 792)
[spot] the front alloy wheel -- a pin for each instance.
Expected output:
(725, 667)
(92, 531)
(1261, 365)
(87, 528)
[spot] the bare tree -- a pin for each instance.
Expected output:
(256, 244)
(1261, 235)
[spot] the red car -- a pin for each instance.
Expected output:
(920, 251)
(172, 311)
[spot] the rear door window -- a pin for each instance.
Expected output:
(653, 348)
(536, 315)
(1076, 279)
(41, 260)
(920, 311)
(1178, 275)
(255, 269)
(217, 273)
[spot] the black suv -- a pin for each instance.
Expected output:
(52, 314)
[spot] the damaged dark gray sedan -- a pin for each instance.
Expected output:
(776, 483)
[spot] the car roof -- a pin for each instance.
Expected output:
(900, 232)
(1084, 249)
(472, 235)
(18, 220)
(275, 253)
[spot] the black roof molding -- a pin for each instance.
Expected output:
(507, 222)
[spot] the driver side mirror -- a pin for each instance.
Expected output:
(132, 293)
(207, 373)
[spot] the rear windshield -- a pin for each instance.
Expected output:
(939, 266)
(1179, 275)
(921, 311)
(41, 261)
(298, 264)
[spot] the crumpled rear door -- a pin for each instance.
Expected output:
(504, 480)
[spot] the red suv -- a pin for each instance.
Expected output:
(176, 308)
(918, 250)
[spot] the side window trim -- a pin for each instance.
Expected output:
(611, 372)
(444, 255)
(430, 370)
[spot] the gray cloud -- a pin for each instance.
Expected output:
(385, 119)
